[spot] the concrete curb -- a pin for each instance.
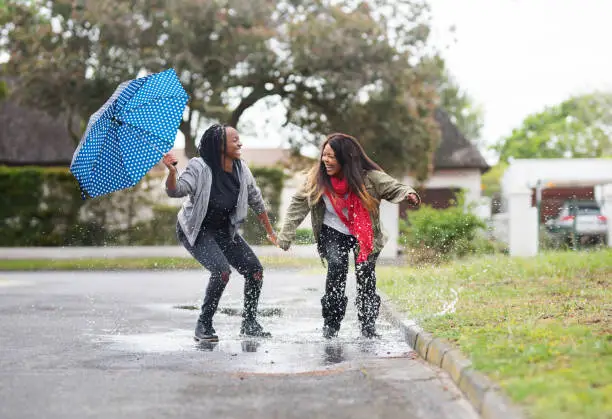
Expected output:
(482, 393)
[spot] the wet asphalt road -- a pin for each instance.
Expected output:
(119, 345)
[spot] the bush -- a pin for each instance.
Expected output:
(432, 234)
(160, 230)
(271, 182)
(42, 206)
(304, 236)
(38, 206)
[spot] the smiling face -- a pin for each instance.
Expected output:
(232, 144)
(332, 167)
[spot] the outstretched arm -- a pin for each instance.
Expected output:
(391, 190)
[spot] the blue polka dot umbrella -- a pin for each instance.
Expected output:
(129, 134)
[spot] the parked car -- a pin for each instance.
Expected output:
(585, 217)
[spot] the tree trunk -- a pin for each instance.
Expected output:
(259, 92)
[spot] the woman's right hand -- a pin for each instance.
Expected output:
(170, 161)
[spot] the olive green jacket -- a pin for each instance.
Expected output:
(378, 184)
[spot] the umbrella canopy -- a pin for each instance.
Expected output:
(129, 134)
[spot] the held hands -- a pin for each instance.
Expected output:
(274, 240)
(170, 161)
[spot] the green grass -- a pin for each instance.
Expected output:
(540, 327)
(159, 263)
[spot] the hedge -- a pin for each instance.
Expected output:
(41, 206)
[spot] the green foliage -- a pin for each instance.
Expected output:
(270, 180)
(159, 230)
(578, 127)
(539, 327)
(142, 263)
(38, 207)
(334, 65)
(304, 236)
(439, 234)
(491, 181)
(3, 90)
(43, 207)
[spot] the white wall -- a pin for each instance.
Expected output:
(468, 179)
(389, 222)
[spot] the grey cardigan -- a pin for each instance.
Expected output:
(196, 182)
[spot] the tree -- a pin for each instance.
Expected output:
(458, 104)
(491, 181)
(579, 127)
(336, 65)
(61, 64)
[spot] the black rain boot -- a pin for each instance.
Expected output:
(250, 325)
(367, 313)
(204, 331)
(333, 311)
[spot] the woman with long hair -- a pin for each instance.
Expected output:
(221, 188)
(343, 193)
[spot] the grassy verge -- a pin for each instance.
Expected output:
(541, 327)
(158, 263)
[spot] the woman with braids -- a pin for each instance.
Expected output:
(220, 187)
(343, 193)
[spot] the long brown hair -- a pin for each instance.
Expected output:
(355, 164)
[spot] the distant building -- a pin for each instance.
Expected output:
(458, 165)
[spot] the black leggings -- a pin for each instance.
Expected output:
(216, 251)
(335, 247)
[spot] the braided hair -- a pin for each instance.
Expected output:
(212, 147)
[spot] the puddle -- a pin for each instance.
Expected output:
(236, 312)
(290, 351)
(297, 345)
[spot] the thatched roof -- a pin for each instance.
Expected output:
(32, 137)
(455, 151)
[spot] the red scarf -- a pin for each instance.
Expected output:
(358, 222)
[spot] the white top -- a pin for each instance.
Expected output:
(332, 220)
